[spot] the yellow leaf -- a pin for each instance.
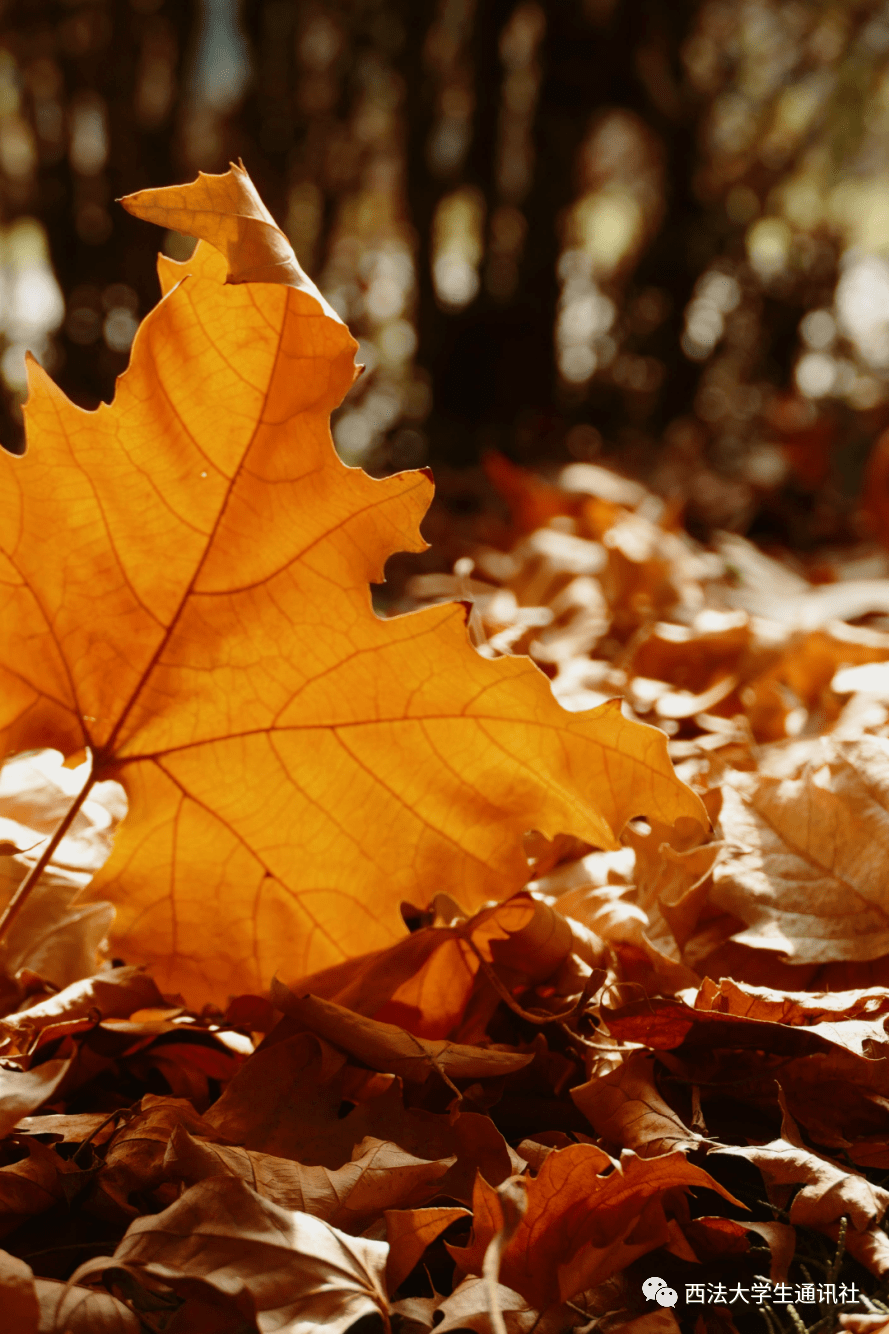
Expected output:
(184, 590)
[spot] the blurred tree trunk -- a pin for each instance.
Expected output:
(122, 64)
(492, 364)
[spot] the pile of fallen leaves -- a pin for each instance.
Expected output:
(438, 998)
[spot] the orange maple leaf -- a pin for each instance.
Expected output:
(184, 591)
(586, 1217)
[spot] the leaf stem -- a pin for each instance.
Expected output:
(21, 895)
(513, 1200)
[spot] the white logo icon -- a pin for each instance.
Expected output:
(657, 1288)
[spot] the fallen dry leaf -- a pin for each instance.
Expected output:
(828, 1191)
(116, 993)
(240, 689)
(380, 1176)
(51, 935)
(42, 1306)
(67, 1308)
(870, 1247)
(851, 1019)
(714, 1238)
(286, 1101)
(836, 1093)
(23, 1091)
(388, 1048)
(409, 1232)
(586, 1217)
(295, 1271)
(365, 984)
(20, 1305)
(803, 862)
(480, 1148)
(134, 1160)
(31, 1186)
(665, 1025)
(626, 1109)
(468, 1307)
(423, 982)
(259, 1110)
(648, 921)
(416, 1313)
(67, 1127)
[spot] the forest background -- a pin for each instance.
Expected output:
(648, 233)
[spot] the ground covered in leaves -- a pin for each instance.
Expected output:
(497, 1085)
(668, 1060)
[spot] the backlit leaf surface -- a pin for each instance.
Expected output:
(184, 590)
